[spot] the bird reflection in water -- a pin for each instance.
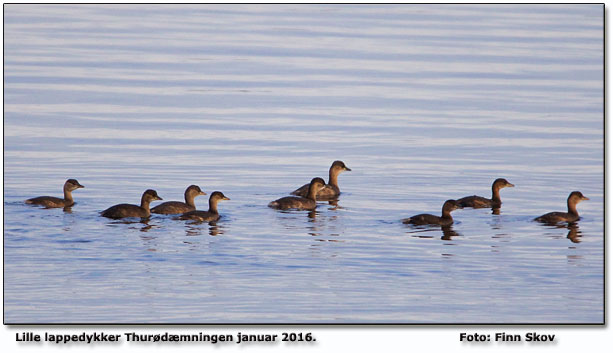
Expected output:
(312, 216)
(195, 229)
(574, 233)
(316, 224)
(136, 223)
(149, 240)
(448, 232)
(334, 204)
(294, 220)
(313, 227)
(215, 230)
(146, 226)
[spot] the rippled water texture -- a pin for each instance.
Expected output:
(423, 102)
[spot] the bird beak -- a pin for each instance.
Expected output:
(509, 185)
(584, 198)
(226, 198)
(159, 198)
(347, 169)
(202, 193)
(79, 186)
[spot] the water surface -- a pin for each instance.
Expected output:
(423, 102)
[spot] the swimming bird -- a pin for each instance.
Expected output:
(54, 202)
(206, 216)
(128, 210)
(444, 220)
(298, 202)
(571, 216)
(331, 190)
(176, 207)
(482, 202)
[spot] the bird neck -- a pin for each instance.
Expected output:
(312, 194)
(446, 213)
(333, 177)
(189, 199)
(68, 195)
(495, 193)
(572, 207)
(144, 202)
(213, 205)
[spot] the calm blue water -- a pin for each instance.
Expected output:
(423, 102)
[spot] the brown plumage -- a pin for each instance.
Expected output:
(482, 202)
(571, 216)
(300, 203)
(177, 207)
(127, 210)
(331, 190)
(206, 216)
(444, 220)
(54, 202)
